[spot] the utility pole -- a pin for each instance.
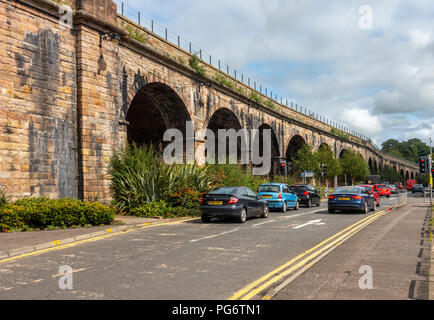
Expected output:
(430, 170)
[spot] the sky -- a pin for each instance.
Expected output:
(369, 65)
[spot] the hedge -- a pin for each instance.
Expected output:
(40, 213)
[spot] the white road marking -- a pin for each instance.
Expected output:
(73, 271)
(215, 235)
(258, 224)
(315, 222)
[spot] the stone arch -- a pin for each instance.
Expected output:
(341, 154)
(275, 150)
(371, 167)
(412, 175)
(224, 118)
(295, 143)
(155, 108)
(407, 175)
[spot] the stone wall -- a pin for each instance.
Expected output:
(38, 106)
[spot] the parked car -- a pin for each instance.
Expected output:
(399, 185)
(278, 196)
(418, 188)
(372, 191)
(232, 202)
(393, 189)
(383, 190)
(409, 184)
(351, 198)
(307, 195)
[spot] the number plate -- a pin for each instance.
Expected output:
(343, 198)
(267, 196)
(216, 203)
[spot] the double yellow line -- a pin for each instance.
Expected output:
(109, 234)
(256, 287)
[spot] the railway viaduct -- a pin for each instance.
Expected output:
(71, 94)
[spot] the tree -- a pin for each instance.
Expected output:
(325, 156)
(354, 166)
(305, 160)
(410, 150)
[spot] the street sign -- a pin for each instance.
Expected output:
(307, 174)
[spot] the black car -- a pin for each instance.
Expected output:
(307, 194)
(232, 202)
(353, 198)
(418, 188)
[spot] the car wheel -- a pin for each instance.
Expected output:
(318, 203)
(365, 208)
(388, 196)
(297, 205)
(243, 215)
(309, 203)
(378, 204)
(374, 208)
(284, 207)
(266, 212)
(205, 219)
(331, 210)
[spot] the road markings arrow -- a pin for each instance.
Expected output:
(313, 222)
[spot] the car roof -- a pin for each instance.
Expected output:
(273, 184)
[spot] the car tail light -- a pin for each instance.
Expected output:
(201, 200)
(233, 200)
(306, 193)
(357, 197)
(280, 195)
(332, 197)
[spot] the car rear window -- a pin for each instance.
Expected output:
(269, 189)
(348, 190)
(381, 187)
(299, 188)
(225, 191)
(418, 185)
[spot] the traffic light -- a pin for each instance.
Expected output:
(323, 171)
(422, 164)
(283, 169)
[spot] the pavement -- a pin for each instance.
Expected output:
(181, 260)
(17, 243)
(396, 249)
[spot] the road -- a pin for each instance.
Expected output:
(190, 260)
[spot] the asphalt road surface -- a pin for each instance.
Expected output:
(190, 260)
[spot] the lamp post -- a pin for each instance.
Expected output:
(430, 170)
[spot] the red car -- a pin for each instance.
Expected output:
(383, 190)
(371, 190)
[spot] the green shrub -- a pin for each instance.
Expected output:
(139, 177)
(161, 209)
(41, 213)
(224, 81)
(196, 66)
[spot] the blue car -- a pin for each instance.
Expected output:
(352, 199)
(278, 196)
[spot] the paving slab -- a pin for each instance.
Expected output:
(397, 249)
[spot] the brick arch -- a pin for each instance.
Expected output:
(154, 108)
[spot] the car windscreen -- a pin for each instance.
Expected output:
(348, 190)
(418, 185)
(381, 187)
(275, 189)
(228, 191)
(299, 188)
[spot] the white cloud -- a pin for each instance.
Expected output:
(314, 53)
(361, 119)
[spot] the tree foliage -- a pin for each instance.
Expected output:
(354, 166)
(410, 150)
